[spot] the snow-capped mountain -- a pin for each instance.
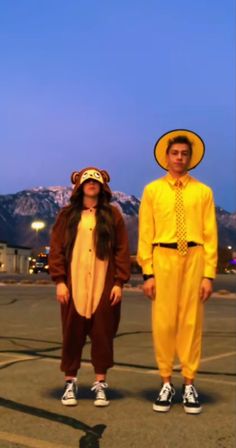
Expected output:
(227, 219)
(49, 200)
(19, 210)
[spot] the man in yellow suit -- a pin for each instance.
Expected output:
(177, 251)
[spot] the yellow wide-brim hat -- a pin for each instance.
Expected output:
(198, 147)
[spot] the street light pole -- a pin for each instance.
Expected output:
(37, 226)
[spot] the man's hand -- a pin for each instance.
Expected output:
(205, 289)
(116, 295)
(62, 293)
(149, 288)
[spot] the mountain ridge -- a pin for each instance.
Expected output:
(18, 210)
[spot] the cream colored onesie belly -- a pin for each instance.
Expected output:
(87, 271)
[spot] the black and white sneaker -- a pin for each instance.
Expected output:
(70, 392)
(190, 400)
(99, 387)
(164, 399)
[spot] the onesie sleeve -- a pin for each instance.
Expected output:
(121, 250)
(57, 258)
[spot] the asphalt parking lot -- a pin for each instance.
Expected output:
(31, 382)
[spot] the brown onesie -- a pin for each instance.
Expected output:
(90, 280)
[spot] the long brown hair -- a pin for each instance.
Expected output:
(104, 234)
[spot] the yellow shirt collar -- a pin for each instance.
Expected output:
(172, 180)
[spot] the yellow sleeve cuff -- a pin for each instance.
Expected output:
(147, 268)
(209, 272)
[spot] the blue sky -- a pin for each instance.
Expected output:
(97, 82)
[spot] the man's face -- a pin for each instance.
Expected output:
(178, 158)
(91, 188)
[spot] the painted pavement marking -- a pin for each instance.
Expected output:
(154, 371)
(28, 442)
(211, 358)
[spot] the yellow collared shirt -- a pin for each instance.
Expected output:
(157, 222)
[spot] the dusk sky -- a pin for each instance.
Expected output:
(98, 82)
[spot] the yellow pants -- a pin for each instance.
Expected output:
(177, 311)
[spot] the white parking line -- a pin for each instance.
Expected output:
(28, 442)
(143, 370)
(211, 358)
(12, 359)
(155, 372)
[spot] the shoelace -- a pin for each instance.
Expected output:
(69, 392)
(99, 389)
(164, 393)
(191, 394)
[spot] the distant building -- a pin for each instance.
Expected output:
(14, 259)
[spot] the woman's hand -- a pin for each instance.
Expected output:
(62, 293)
(116, 295)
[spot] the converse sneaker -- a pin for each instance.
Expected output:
(70, 392)
(99, 387)
(164, 399)
(190, 400)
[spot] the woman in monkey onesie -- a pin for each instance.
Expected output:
(89, 262)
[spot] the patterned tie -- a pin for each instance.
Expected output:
(181, 232)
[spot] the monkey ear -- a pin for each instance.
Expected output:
(74, 176)
(105, 176)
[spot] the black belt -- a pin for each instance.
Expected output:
(174, 245)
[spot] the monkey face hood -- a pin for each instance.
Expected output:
(101, 176)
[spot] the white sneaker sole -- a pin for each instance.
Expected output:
(69, 402)
(101, 403)
(158, 408)
(192, 410)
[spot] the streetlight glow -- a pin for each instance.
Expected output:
(37, 225)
